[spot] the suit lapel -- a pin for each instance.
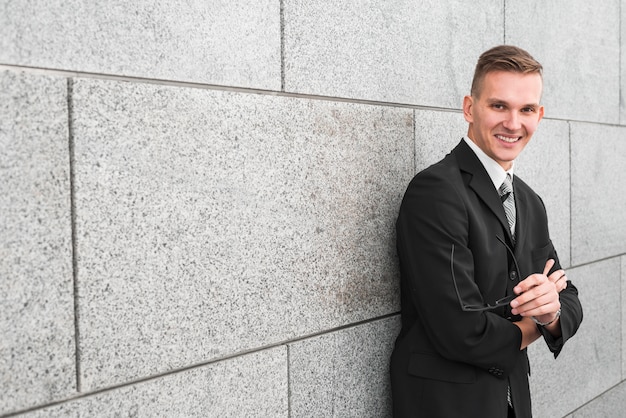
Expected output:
(481, 183)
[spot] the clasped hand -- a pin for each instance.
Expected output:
(539, 294)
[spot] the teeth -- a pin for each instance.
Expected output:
(507, 139)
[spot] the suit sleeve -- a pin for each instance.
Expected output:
(571, 318)
(571, 312)
(434, 217)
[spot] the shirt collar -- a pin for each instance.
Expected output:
(495, 170)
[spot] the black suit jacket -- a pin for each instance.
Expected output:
(448, 362)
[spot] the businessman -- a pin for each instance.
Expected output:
(480, 278)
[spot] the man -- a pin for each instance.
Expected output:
(466, 239)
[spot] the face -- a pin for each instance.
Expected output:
(505, 115)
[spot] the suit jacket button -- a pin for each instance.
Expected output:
(513, 275)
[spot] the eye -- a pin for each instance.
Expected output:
(528, 109)
(497, 106)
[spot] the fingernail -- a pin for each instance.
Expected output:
(514, 304)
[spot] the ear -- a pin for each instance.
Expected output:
(468, 102)
(541, 110)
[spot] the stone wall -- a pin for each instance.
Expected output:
(198, 199)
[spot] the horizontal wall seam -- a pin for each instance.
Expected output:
(205, 86)
(217, 87)
(596, 398)
(286, 343)
(599, 260)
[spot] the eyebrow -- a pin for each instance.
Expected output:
(494, 100)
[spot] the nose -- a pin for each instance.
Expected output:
(512, 121)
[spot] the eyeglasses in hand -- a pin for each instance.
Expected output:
(487, 306)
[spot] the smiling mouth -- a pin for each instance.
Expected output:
(508, 139)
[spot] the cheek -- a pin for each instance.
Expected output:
(492, 121)
(531, 127)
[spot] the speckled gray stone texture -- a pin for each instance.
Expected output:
(343, 373)
(578, 44)
(598, 192)
(36, 307)
(254, 385)
(622, 103)
(545, 166)
(233, 42)
(209, 222)
(623, 316)
(590, 362)
(610, 404)
(395, 51)
(436, 134)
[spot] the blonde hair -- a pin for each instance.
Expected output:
(503, 58)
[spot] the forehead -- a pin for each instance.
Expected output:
(512, 87)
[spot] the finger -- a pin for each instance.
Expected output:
(548, 266)
(534, 279)
(538, 310)
(559, 279)
(556, 275)
(529, 282)
(543, 289)
(537, 306)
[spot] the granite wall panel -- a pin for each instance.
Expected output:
(386, 51)
(612, 403)
(252, 385)
(578, 44)
(436, 134)
(343, 373)
(622, 103)
(590, 362)
(226, 42)
(210, 223)
(37, 348)
(598, 195)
